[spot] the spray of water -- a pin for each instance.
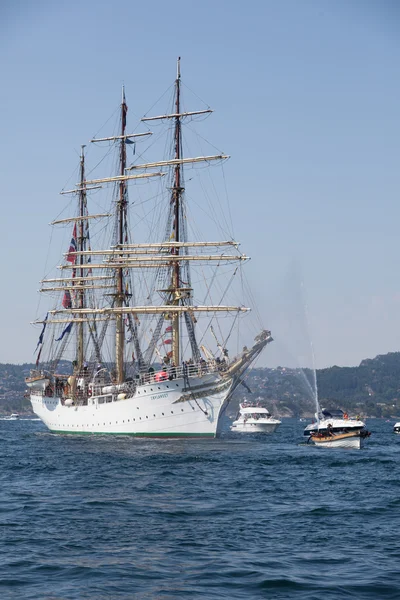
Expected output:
(292, 333)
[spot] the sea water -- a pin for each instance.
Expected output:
(264, 516)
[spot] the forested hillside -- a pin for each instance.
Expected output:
(372, 388)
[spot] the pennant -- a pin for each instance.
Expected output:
(40, 340)
(124, 111)
(66, 330)
(168, 329)
(167, 341)
(72, 248)
(38, 356)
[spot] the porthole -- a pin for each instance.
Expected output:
(162, 414)
(177, 384)
(154, 415)
(181, 409)
(172, 412)
(151, 389)
(147, 417)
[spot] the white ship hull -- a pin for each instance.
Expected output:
(161, 409)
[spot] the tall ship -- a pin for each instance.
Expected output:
(137, 338)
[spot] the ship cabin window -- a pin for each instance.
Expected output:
(100, 400)
(109, 399)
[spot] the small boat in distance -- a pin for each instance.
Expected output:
(396, 427)
(254, 419)
(12, 417)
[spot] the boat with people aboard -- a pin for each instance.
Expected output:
(253, 418)
(343, 439)
(336, 429)
(337, 419)
(127, 345)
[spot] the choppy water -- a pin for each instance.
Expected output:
(109, 518)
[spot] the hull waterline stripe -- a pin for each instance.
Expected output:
(150, 435)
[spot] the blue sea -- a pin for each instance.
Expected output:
(105, 518)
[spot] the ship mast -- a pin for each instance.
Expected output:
(81, 248)
(176, 201)
(121, 218)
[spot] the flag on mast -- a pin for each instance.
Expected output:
(72, 247)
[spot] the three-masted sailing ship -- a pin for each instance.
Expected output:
(117, 364)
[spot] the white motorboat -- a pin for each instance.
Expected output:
(12, 417)
(396, 427)
(254, 419)
(338, 420)
(352, 440)
(335, 429)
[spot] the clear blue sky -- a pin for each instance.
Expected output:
(307, 101)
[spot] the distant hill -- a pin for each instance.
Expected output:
(372, 388)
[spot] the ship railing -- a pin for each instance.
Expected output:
(168, 373)
(181, 372)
